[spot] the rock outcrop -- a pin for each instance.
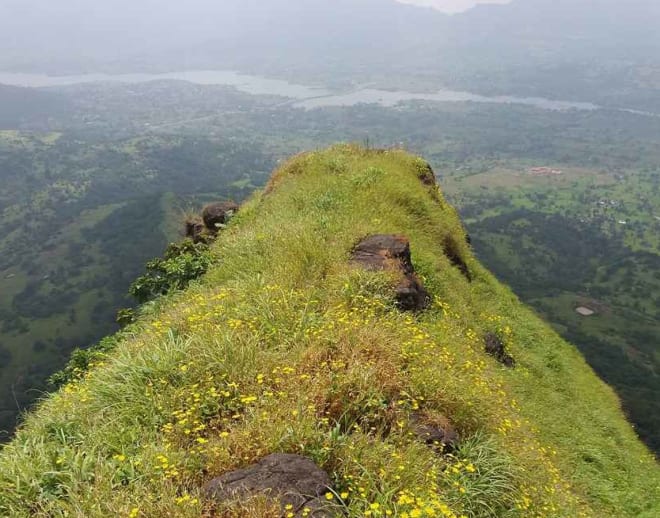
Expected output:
(295, 482)
(453, 253)
(216, 215)
(195, 230)
(427, 175)
(495, 347)
(392, 252)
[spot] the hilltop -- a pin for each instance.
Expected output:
(289, 345)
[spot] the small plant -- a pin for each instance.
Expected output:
(487, 479)
(182, 263)
(370, 176)
(125, 316)
(82, 359)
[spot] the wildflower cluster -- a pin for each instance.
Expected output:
(209, 422)
(413, 504)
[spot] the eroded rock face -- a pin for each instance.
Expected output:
(382, 251)
(427, 176)
(411, 294)
(292, 480)
(438, 434)
(217, 214)
(495, 347)
(392, 252)
(453, 253)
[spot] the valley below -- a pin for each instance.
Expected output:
(98, 179)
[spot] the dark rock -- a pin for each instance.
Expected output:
(382, 251)
(495, 347)
(437, 433)
(217, 214)
(427, 176)
(392, 252)
(453, 253)
(195, 231)
(411, 294)
(292, 480)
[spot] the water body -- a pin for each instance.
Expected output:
(254, 85)
(306, 97)
(392, 98)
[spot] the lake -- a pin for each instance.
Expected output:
(392, 98)
(307, 97)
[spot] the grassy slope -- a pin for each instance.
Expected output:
(284, 347)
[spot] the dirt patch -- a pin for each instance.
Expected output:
(436, 432)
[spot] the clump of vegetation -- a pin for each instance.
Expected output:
(125, 317)
(83, 359)
(182, 263)
(289, 348)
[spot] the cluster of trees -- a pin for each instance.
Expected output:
(544, 256)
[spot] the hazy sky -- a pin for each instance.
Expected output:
(453, 6)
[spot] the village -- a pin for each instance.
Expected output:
(544, 171)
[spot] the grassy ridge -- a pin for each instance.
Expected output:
(285, 347)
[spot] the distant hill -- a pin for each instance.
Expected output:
(605, 51)
(19, 105)
(600, 50)
(232, 32)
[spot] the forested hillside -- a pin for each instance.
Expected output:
(79, 220)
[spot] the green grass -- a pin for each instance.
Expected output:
(283, 346)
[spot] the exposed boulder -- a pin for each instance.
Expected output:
(195, 230)
(437, 433)
(384, 251)
(392, 252)
(495, 347)
(295, 482)
(426, 174)
(411, 294)
(217, 214)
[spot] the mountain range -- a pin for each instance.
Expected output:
(599, 50)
